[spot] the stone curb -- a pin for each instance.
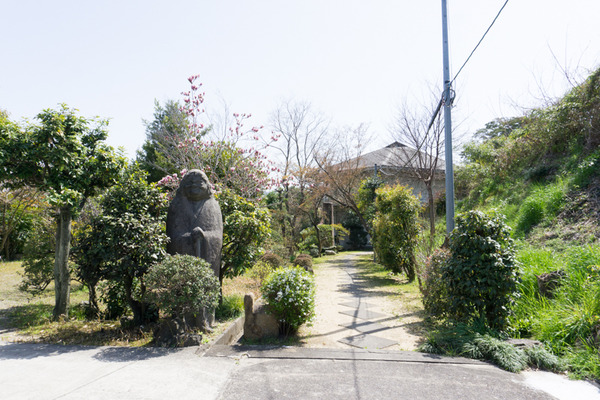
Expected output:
(232, 334)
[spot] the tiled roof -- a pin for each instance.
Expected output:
(394, 155)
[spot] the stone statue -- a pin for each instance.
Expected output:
(195, 225)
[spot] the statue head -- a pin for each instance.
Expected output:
(195, 186)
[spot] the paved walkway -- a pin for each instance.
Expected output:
(352, 312)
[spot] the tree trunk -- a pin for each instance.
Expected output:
(62, 276)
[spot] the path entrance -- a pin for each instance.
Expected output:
(355, 312)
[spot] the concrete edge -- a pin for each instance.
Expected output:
(289, 352)
(232, 334)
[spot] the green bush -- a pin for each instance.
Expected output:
(182, 284)
(310, 241)
(433, 287)
(481, 272)
(290, 295)
(396, 229)
(38, 260)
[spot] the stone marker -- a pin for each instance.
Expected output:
(257, 323)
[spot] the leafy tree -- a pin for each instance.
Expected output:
(366, 197)
(126, 239)
(67, 158)
(246, 227)
(396, 229)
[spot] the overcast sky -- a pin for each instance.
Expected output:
(355, 61)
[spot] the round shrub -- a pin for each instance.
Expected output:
(305, 261)
(290, 294)
(272, 259)
(481, 272)
(182, 284)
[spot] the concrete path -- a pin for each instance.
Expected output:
(352, 313)
(48, 372)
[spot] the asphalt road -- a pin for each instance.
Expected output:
(31, 371)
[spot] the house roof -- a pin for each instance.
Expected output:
(394, 155)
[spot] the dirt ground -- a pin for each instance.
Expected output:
(403, 322)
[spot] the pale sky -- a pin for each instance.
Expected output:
(355, 61)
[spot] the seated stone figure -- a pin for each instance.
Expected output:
(195, 225)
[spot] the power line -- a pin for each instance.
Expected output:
(480, 40)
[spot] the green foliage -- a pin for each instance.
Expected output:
(396, 229)
(569, 322)
(67, 158)
(309, 236)
(481, 272)
(38, 258)
(290, 295)
(477, 341)
(433, 286)
(231, 307)
(366, 196)
(163, 134)
(126, 239)
(246, 227)
(358, 237)
(182, 284)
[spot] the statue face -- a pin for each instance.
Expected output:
(196, 187)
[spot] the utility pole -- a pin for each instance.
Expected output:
(447, 98)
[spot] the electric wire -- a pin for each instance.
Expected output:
(464, 64)
(480, 40)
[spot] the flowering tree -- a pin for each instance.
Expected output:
(238, 170)
(233, 161)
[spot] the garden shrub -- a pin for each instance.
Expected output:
(396, 229)
(274, 260)
(38, 259)
(433, 287)
(290, 295)
(304, 261)
(182, 284)
(481, 272)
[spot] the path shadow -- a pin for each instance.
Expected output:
(128, 354)
(28, 351)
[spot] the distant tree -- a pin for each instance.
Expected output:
(300, 132)
(164, 133)
(65, 157)
(341, 170)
